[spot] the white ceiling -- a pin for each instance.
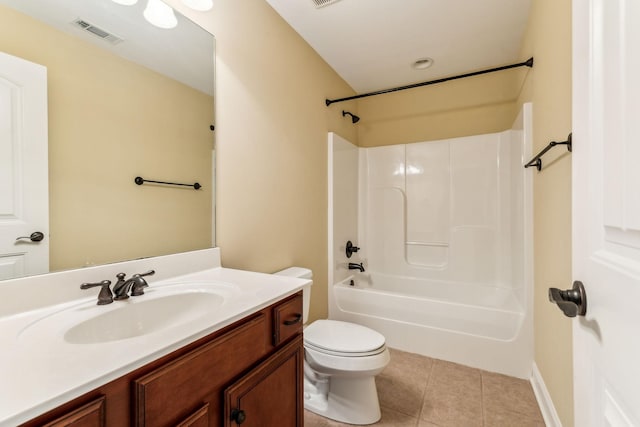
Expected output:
(373, 43)
(184, 53)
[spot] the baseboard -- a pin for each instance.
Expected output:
(549, 413)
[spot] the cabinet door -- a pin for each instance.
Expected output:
(90, 415)
(165, 396)
(200, 418)
(271, 394)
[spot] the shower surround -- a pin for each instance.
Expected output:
(445, 231)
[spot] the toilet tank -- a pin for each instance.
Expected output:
(301, 273)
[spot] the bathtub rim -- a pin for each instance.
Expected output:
(343, 285)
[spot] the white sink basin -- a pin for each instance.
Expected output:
(144, 317)
(160, 309)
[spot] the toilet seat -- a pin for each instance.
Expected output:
(343, 354)
(343, 339)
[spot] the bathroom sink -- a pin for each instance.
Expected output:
(144, 317)
(160, 309)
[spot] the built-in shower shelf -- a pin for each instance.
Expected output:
(439, 244)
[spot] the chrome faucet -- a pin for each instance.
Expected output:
(354, 266)
(135, 284)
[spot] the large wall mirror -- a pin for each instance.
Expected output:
(124, 98)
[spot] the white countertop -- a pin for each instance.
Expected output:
(40, 370)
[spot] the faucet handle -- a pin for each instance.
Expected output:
(148, 273)
(138, 286)
(139, 283)
(350, 249)
(105, 296)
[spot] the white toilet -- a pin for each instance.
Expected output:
(341, 362)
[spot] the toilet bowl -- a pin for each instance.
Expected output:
(340, 364)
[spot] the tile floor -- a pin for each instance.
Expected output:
(417, 391)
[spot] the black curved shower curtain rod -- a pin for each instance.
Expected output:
(527, 63)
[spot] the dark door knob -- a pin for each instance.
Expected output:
(572, 302)
(36, 236)
(238, 416)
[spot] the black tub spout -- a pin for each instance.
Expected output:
(354, 266)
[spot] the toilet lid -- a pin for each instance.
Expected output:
(342, 337)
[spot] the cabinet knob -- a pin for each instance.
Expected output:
(238, 416)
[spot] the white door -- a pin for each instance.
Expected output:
(24, 200)
(606, 210)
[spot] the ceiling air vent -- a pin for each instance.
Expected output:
(323, 3)
(96, 31)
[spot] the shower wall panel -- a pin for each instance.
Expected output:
(428, 193)
(382, 198)
(439, 210)
(343, 204)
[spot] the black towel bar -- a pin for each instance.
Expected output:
(537, 160)
(139, 180)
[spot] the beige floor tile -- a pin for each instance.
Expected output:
(390, 418)
(452, 409)
(501, 418)
(408, 365)
(315, 420)
(417, 391)
(400, 394)
(444, 371)
(453, 396)
(500, 393)
(402, 384)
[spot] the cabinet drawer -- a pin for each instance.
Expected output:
(164, 396)
(287, 319)
(90, 415)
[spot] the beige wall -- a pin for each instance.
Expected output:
(271, 142)
(471, 106)
(489, 104)
(548, 39)
(101, 135)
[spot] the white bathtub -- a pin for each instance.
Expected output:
(451, 224)
(480, 326)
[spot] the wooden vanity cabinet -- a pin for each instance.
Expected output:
(200, 418)
(253, 365)
(90, 415)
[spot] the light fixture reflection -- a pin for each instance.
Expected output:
(401, 170)
(125, 2)
(201, 5)
(160, 14)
